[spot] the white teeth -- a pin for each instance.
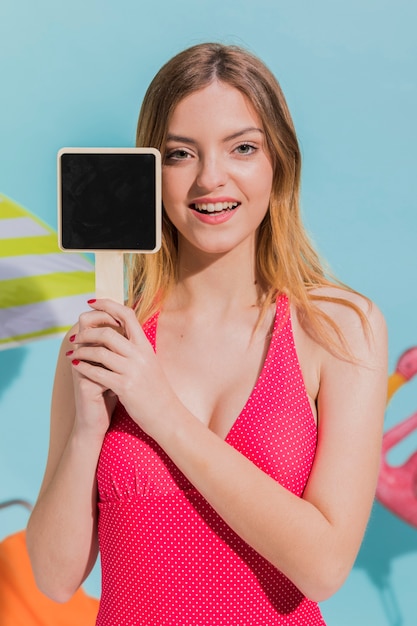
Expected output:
(211, 207)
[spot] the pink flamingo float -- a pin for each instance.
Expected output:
(397, 485)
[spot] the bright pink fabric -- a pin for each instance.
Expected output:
(168, 559)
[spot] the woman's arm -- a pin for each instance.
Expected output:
(313, 540)
(61, 533)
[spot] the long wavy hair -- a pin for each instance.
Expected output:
(285, 259)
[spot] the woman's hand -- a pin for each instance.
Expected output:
(112, 359)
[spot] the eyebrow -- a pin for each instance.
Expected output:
(239, 133)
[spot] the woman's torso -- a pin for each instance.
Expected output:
(167, 557)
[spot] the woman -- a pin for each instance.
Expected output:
(231, 438)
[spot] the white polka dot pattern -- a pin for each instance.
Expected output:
(167, 558)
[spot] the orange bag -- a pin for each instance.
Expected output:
(21, 602)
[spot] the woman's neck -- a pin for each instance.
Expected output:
(218, 282)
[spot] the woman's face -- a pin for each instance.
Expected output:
(217, 174)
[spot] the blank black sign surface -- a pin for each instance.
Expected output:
(108, 201)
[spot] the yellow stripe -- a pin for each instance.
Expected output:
(22, 291)
(29, 245)
(9, 208)
(36, 334)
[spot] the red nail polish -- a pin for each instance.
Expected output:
(75, 362)
(69, 352)
(72, 338)
(91, 301)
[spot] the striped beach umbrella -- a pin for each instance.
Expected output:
(42, 289)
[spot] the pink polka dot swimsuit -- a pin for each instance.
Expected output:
(167, 558)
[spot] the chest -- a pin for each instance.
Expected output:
(213, 371)
(214, 367)
(274, 428)
(270, 422)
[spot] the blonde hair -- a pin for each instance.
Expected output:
(285, 259)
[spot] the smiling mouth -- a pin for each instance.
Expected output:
(214, 207)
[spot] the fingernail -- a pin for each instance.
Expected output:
(72, 338)
(69, 352)
(75, 362)
(91, 301)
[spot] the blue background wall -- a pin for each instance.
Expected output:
(73, 74)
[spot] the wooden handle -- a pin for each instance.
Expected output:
(110, 276)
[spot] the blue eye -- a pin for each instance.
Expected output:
(245, 148)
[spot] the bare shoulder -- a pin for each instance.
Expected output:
(330, 299)
(360, 321)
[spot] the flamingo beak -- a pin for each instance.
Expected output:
(395, 381)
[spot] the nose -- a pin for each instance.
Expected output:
(211, 173)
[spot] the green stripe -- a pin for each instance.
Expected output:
(35, 335)
(29, 245)
(23, 291)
